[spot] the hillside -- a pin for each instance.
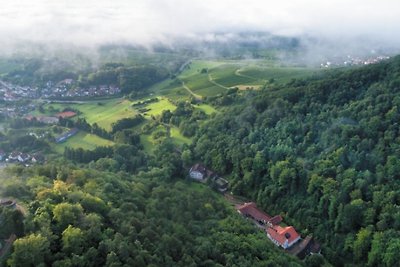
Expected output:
(321, 149)
(324, 151)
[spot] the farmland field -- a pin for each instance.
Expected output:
(281, 75)
(197, 65)
(226, 75)
(83, 140)
(104, 113)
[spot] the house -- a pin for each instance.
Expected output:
(201, 174)
(2, 155)
(23, 157)
(13, 156)
(48, 120)
(38, 158)
(250, 210)
(66, 114)
(198, 172)
(284, 237)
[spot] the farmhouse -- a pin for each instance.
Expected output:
(200, 173)
(66, 114)
(250, 210)
(284, 237)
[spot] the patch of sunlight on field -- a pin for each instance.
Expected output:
(83, 140)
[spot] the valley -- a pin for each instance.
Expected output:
(285, 136)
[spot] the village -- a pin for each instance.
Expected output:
(65, 89)
(22, 158)
(280, 234)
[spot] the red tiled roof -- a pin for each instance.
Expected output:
(280, 234)
(66, 114)
(276, 219)
(250, 209)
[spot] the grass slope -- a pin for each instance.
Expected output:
(83, 140)
(104, 112)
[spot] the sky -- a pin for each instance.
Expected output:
(91, 22)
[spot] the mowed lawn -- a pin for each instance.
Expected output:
(83, 140)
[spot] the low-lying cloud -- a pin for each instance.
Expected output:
(94, 22)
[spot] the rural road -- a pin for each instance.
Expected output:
(198, 97)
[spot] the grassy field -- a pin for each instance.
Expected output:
(148, 143)
(158, 107)
(178, 138)
(197, 65)
(206, 108)
(104, 112)
(83, 140)
(226, 75)
(280, 75)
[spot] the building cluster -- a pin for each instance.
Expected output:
(67, 88)
(20, 157)
(353, 61)
(200, 173)
(11, 92)
(282, 236)
(64, 89)
(52, 119)
(14, 111)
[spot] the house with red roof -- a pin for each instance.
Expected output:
(250, 210)
(66, 114)
(283, 236)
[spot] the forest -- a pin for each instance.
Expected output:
(322, 151)
(85, 217)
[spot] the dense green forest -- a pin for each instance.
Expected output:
(322, 151)
(83, 217)
(325, 152)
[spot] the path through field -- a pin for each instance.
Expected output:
(210, 79)
(198, 97)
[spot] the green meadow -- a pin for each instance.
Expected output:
(104, 112)
(219, 76)
(83, 140)
(279, 74)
